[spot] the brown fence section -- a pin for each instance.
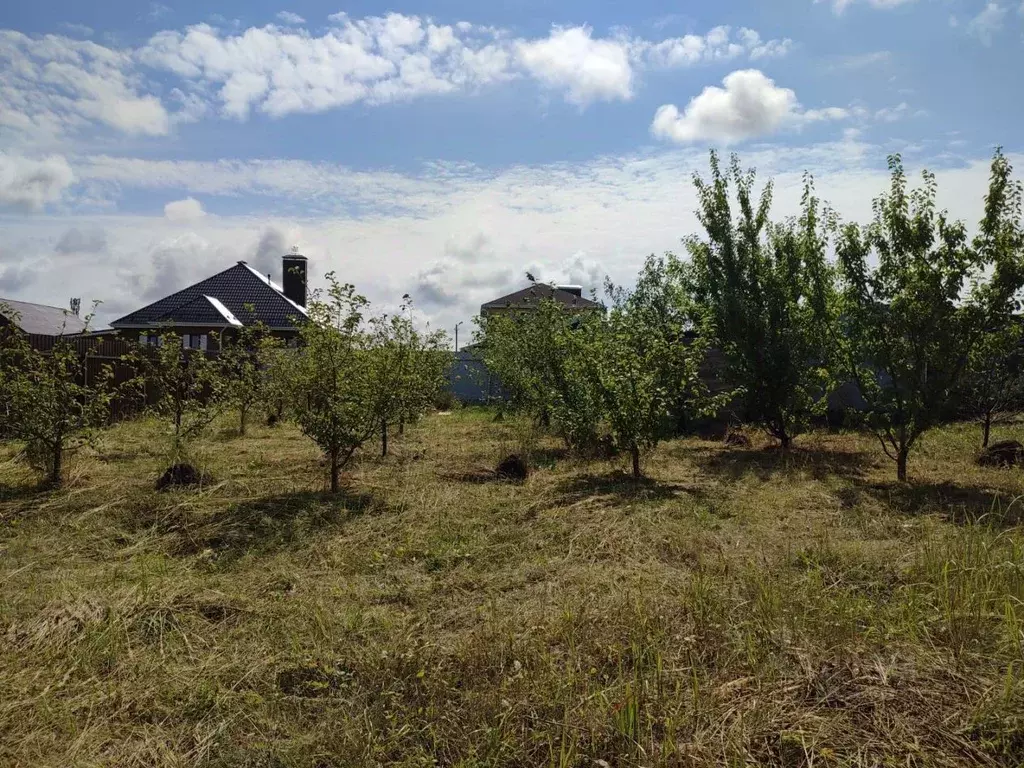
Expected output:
(100, 352)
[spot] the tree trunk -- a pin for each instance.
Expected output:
(681, 422)
(786, 441)
(241, 420)
(901, 463)
(635, 451)
(384, 438)
(986, 428)
(58, 460)
(334, 471)
(401, 424)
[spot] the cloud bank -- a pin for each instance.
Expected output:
(56, 85)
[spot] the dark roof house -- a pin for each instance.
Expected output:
(569, 296)
(40, 319)
(238, 296)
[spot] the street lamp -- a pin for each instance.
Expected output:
(457, 335)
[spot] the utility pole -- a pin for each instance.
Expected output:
(457, 335)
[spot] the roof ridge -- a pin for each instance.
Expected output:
(274, 286)
(184, 300)
(36, 304)
(554, 290)
(178, 307)
(224, 311)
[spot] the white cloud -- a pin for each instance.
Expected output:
(859, 61)
(987, 23)
(586, 69)
(54, 84)
(78, 240)
(279, 71)
(749, 105)
(764, 49)
(266, 256)
(468, 265)
(30, 184)
(317, 186)
(14, 278)
(78, 29)
(397, 57)
(839, 6)
(184, 210)
(157, 11)
(719, 44)
(893, 114)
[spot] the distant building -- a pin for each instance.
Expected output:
(569, 296)
(239, 296)
(40, 319)
(469, 380)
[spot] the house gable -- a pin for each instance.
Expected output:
(531, 297)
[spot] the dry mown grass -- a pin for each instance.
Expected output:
(742, 608)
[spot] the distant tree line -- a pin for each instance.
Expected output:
(922, 318)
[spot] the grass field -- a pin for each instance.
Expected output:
(742, 607)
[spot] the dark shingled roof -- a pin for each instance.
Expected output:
(533, 295)
(234, 288)
(41, 319)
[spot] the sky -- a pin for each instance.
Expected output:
(443, 148)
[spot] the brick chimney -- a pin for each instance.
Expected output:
(293, 276)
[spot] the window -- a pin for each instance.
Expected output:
(150, 340)
(193, 341)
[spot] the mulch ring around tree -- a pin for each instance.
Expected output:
(736, 439)
(181, 475)
(1007, 453)
(512, 467)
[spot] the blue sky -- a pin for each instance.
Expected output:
(443, 148)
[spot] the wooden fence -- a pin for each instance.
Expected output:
(100, 352)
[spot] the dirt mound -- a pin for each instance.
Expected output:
(736, 440)
(180, 475)
(512, 467)
(1008, 453)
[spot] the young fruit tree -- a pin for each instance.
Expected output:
(54, 401)
(644, 363)
(993, 389)
(409, 367)
(332, 376)
(765, 292)
(245, 359)
(389, 357)
(187, 386)
(539, 356)
(918, 301)
(425, 374)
